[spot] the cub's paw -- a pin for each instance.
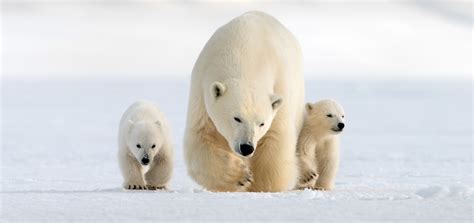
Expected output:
(152, 187)
(320, 188)
(307, 179)
(135, 187)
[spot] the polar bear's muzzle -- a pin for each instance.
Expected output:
(145, 160)
(340, 126)
(246, 149)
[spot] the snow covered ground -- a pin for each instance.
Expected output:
(406, 156)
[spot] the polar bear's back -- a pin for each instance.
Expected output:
(248, 44)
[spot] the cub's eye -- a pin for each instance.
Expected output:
(138, 146)
(153, 146)
(237, 120)
(329, 115)
(262, 124)
(342, 116)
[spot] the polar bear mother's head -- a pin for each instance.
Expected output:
(242, 114)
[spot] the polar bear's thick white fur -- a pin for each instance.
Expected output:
(145, 148)
(318, 145)
(246, 95)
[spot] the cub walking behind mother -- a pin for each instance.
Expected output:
(246, 107)
(318, 145)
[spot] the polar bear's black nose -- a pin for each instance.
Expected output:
(145, 160)
(340, 125)
(246, 149)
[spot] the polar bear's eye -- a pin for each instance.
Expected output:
(342, 116)
(153, 146)
(237, 120)
(138, 146)
(262, 124)
(329, 115)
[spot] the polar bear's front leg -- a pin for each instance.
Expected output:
(274, 163)
(131, 172)
(307, 178)
(160, 172)
(215, 168)
(306, 162)
(327, 156)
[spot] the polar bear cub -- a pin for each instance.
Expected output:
(145, 150)
(318, 145)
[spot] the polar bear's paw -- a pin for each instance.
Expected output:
(152, 187)
(236, 174)
(247, 180)
(135, 187)
(320, 188)
(307, 180)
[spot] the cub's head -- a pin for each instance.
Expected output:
(241, 114)
(144, 140)
(325, 117)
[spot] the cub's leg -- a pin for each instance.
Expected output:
(328, 163)
(307, 164)
(160, 172)
(307, 176)
(131, 172)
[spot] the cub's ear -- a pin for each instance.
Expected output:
(309, 107)
(217, 89)
(276, 101)
(130, 125)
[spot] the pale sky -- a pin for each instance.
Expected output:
(150, 39)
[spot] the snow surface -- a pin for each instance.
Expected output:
(406, 156)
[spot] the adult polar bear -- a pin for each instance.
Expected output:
(247, 94)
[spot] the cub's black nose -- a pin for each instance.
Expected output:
(145, 160)
(246, 149)
(340, 125)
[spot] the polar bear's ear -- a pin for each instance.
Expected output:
(309, 107)
(276, 101)
(130, 125)
(217, 89)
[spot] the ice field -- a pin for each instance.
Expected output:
(406, 156)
